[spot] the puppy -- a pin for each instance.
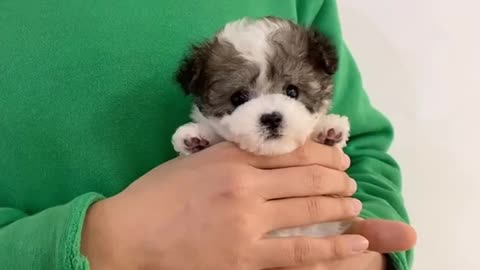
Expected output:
(266, 85)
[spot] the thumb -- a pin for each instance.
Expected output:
(385, 236)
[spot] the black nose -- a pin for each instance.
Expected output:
(271, 120)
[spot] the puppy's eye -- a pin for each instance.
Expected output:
(291, 91)
(239, 97)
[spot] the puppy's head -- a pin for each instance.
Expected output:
(261, 83)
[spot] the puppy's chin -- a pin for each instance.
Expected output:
(271, 147)
(245, 128)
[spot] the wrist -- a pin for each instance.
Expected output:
(98, 236)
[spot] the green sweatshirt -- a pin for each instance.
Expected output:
(88, 104)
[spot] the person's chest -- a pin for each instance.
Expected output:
(88, 101)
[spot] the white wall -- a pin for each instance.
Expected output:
(420, 61)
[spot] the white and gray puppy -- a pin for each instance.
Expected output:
(265, 84)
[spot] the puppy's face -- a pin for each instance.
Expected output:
(261, 83)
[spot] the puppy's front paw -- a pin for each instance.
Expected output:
(195, 144)
(187, 139)
(332, 130)
(330, 137)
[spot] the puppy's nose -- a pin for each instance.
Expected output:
(271, 120)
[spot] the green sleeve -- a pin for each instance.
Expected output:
(47, 240)
(376, 172)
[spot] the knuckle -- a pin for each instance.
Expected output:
(339, 208)
(234, 182)
(302, 248)
(314, 208)
(336, 249)
(246, 257)
(347, 208)
(316, 180)
(347, 187)
(236, 259)
(237, 263)
(234, 173)
(240, 223)
(243, 226)
(235, 188)
(336, 155)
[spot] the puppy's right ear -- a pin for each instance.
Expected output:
(321, 52)
(190, 73)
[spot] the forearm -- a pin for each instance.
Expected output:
(48, 240)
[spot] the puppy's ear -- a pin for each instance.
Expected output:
(321, 52)
(190, 73)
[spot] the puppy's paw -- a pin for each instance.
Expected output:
(331, 137)
(332, 130)
(188, 139)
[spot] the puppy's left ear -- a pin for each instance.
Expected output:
(321, 52)
(190, 73)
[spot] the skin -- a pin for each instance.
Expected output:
(216, 216)
(384, 237)
(366, 261)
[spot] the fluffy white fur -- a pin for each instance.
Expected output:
(316, 230)
(193, 130)
(243, 127)
(249, 37)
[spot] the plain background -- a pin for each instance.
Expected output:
(420, 61)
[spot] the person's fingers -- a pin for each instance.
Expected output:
(296, 212)
(366, 260)
(311, 153)
(311, 180)
(296, 251)
(385, 236)
(320, 266)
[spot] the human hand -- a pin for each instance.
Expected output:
(365, 261)
(384, 237)
(211, 210)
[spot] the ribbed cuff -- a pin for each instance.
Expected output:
(72, 258)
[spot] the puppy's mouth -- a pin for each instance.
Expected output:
(273, 135)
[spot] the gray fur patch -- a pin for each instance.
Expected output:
(215, 70)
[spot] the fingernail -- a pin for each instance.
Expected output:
(356, 206)
(346, 161)
(353, 186)
(358, 244)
